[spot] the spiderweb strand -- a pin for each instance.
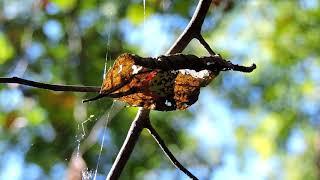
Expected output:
(102, 141)
(111, 108)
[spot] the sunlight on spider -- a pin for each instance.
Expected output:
(136, 69)
(201, 74)
(120, 68)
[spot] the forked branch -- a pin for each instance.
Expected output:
(205, 44)
(134, 132)
(193, 29)
(168, 153)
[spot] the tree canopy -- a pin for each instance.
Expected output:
(256, 126)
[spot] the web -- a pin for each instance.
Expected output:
(88, 174)
(86, 139)
(83, 135)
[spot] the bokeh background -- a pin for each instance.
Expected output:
(262, 125)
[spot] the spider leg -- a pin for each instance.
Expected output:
(94, 98)
(110, 92)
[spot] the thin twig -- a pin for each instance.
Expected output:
(53, 87)
(168, 153)
(127, 147)
(205, 44)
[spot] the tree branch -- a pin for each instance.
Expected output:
(193, 28)
(205, 44)
(132, 137)
(167, 152)
(53, 87)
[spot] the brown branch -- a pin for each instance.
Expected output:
(193, 28)
(167, 152)
(53, 87)
(205, 44)
(127, 147)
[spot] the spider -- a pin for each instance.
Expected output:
(165, 83)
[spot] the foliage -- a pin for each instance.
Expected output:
(269, 118)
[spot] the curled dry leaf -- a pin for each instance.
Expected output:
(153, 88)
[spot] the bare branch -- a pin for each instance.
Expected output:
(168, 153)
(53, 87)
(205, 44)
(127, 147)
(193, 28)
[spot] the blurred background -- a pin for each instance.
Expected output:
(262, 125)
